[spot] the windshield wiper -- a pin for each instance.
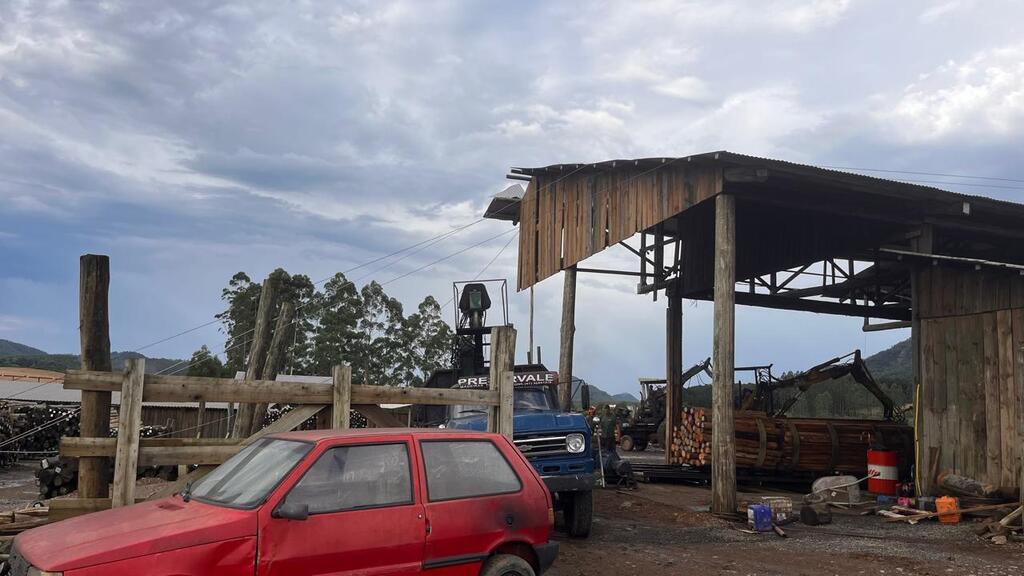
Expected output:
(472, 412)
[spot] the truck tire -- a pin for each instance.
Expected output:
(640, 446)
(506, 565)
(626, 443)
(579, 513)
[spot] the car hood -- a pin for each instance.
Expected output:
(132, 531)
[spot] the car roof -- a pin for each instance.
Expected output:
(324, 435)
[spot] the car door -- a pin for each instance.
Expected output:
(365, 516)
(473, 503)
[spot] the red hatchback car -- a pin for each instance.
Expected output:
(375, 501)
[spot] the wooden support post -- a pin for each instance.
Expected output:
(341, 419)
(506, 392)
(723, 440)
(275, 357)
(567, 339)
(257, 354)
(94, 328)
(529, 349)
(673, 368)
(922, 482)
(129, 424)
(503, 351)
(1020, 419)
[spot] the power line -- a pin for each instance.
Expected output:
(890, 171)
(486, 266)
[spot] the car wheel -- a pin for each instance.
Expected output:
(626, 442)
(507, 565)
(579, 513)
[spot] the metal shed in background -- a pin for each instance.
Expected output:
(739, 229)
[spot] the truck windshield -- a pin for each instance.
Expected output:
(532, 400)
(245, 480)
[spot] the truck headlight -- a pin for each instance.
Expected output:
(575, 443)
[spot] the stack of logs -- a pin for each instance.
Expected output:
(792, 444)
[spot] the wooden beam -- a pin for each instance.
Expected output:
(673, 368)
(275, 357)
(286, 423)
(567, 340)
(899, 313)
(94, 329)
(506, 389)
(129, 424)
(723, 442)
(257, 354)
(341, 419)
(161, 388)
(156, 451)
(378, 416)
(503, 351)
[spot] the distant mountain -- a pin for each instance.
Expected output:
(891, 368)
(8, 348)
(27, 357)
(599, 397)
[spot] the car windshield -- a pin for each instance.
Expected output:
(245, 480)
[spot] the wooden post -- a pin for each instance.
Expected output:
(129, 424)
(506, 390)
(1020, 420)
(673, 368)
(922, 482)
(257, 354)
(342, 397)
(529, 349)
(723, 440)
(567, 339)
(94, 329)
(503, 351)
(275, 357)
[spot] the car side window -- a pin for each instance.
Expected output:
(465, 469)
(356, 477)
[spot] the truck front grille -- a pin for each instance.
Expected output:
(540, 445)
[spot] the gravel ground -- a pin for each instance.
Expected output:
(18, 486)
(662, 529)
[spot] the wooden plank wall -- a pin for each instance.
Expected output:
(565, 219)
(972, 325)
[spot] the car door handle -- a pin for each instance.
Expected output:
(426, 524)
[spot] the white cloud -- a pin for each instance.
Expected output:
(943, 10)
(981, 99)
(684, 88)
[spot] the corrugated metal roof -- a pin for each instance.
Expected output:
(735, 159)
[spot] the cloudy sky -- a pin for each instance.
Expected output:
(190, 140)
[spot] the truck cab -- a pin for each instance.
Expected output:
(557, 444)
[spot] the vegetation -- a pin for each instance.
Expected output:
(8, 348)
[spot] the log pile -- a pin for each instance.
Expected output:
(44, 423)
(814, 445)
(57, 476)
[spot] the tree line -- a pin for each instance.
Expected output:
(363, 327)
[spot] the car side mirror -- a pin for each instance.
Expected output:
(290, 511)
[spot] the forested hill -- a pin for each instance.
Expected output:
(62, 362)
(8, 348)
(844, 398)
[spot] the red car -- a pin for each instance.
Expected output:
(372, 501)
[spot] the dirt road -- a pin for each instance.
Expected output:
(663, 529)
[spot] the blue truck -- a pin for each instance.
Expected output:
(558, 444)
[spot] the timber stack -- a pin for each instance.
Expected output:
(813, 445)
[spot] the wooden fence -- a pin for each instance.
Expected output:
(339, 396)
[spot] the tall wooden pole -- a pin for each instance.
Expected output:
(275, 357)
(257, 354)
(723, 440)
(94, 330)
(567, 339)
(529, 349)
(503, 360)
(673, 367)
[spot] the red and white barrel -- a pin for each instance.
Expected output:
(883, 471)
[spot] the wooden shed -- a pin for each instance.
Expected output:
(739, 229)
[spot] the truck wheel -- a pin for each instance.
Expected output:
(641, 446)
(626, 442)
(579, 513)
(507, 565)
